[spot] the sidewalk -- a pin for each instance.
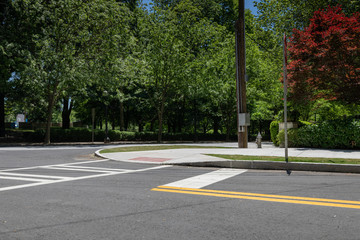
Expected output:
(197, 157)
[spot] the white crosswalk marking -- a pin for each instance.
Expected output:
(203, 180)
(11, 174)
(29, 175)
(24, 179)
(98, 168)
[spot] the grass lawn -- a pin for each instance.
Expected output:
(291, 159)
(150, 148)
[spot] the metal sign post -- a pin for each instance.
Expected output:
(285, 98)
(285, 104)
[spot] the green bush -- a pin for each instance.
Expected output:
(303, 123)
(84, 135)
(274, 131)
(334, 134)
(34, 136)
(340, 134)
(292, 137)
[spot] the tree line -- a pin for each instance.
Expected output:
(168, 66)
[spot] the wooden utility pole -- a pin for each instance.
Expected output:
(240, 76)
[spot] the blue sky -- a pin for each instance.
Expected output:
(249, 4)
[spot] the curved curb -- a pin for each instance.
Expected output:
(257, 164)
(271, 165)
(97, 153)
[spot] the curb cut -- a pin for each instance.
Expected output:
(271, 165)
(98, 154)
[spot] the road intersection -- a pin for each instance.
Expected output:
(62, 194)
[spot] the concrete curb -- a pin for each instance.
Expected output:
(261, 165)
(98, 154)
(271, 165)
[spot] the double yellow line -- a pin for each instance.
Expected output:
(262, 197)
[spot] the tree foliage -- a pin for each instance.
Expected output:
(325, 58)
(284, 15)
(169, 67)
(64, 35)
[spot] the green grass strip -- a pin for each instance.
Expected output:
(291, 159)
(155, 147)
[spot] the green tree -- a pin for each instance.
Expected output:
(284, 15)
(165, 57)
(5, 70)
(69, 32)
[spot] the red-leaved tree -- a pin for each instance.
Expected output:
(325, 58)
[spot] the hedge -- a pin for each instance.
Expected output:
(335, 134)
(274, 131)
(84, 135)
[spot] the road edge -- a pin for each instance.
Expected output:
(272, 165)
(261, 165)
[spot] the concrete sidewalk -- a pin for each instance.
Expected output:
(198, 157)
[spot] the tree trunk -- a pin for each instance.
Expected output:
(113, 124)
(195, 122)
(152, 123)
(169, 126)
(160, 116)
(216, 125)
(160, 128)
(51, 102)
(141, 126)
(67, 107)
(228, 120)
(122, 124)
(2, 114)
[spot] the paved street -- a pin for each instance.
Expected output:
(67, 193)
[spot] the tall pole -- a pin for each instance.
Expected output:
(240, 73)
(285, 99)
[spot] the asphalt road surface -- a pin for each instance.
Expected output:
(67, 193)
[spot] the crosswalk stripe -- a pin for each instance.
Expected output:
(24, 179)
(30, 175)
(77, 169)
(206, 179)
(38, 181)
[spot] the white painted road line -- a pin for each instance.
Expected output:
(30, 175)
(98, 168)
(206, 179)
(67, 179)
(76, 169)
(23, 179)
(55, 165)
(25, 185)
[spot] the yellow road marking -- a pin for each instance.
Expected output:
(263, 197)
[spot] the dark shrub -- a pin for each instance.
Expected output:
(274, 131)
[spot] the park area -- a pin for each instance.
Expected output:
(160, 71)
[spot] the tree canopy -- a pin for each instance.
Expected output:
(325, 58)
(170, 66)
